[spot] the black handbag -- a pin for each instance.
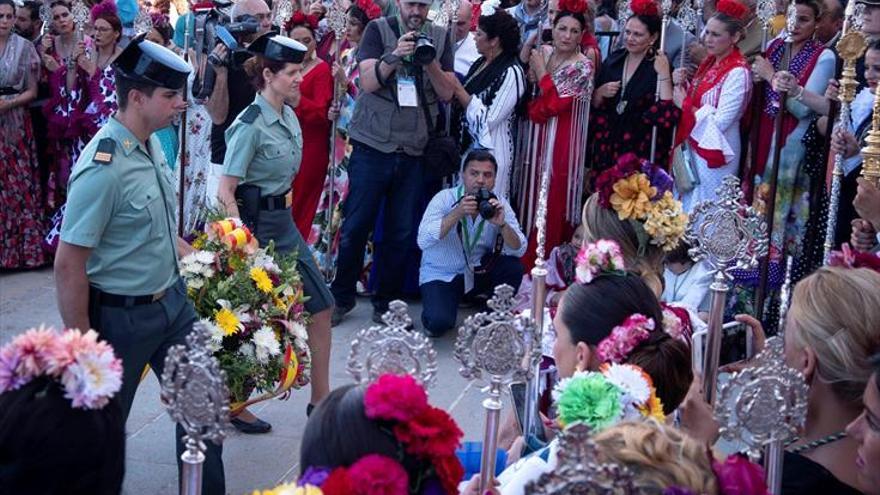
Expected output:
(441, 156)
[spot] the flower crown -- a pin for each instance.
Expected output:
(300, 19)
(489, 7)
(595, 258)
(625, 337)
(89, 371)
(423, 431)
(369, 8)
(615, 393)
(732, 8)
(641, 192)
(573, 6)
(646, 8)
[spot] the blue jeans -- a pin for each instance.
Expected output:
(440, 299)
(374, 176)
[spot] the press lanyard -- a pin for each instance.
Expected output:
(465, 231)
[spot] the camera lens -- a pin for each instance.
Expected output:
(425, 51)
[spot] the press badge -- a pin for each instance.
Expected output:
(406, 92)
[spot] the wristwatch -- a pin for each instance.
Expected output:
(390, 58)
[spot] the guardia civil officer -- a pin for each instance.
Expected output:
(116, 265)
(263, 153)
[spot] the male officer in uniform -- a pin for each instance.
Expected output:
(116, 265)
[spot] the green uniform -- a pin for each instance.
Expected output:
(121, 204)
(264, 149)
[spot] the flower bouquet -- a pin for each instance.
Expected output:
(251, 300)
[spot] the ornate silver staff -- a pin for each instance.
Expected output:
(850, 47)
(45, 17)
(496, 346)
(687, 18)
(80, 14)
(764, 406)
(766, 11)
(578, 469)
(337, 20)
(666, 6)
(728, 235)
(392, 348)
(143, 23)
(195, 394)
(282, 12)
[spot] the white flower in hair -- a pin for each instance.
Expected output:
(92, 379)
(631, 380)
(489, 7)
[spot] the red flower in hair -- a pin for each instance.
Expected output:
(378, 475)
(369, 8)
(627, 164)
(338, 483)
(646, 7)
(431, 434)
(848, 258)
(574, 6)
(395, 398)
(732, 8)
(299, 19)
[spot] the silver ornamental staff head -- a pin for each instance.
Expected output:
(666, 7)
(143, 23)
(764, 403)
(46, 14)
(194, 389)
(448, 12)
(498, 345)
(392, 348)
(766, 11)
(283, 11)
(80, 14)
(578, 470)
(687, 16)
(726, 233)
(858, 16)
(790, 21)
(337, 19)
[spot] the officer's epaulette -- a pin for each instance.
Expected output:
(105, 150)
(250, 114)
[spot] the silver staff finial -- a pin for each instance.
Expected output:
(337, 19)
(80, 14)
(283, 12)
(578, 470)
(194, 393)
(143, 23)
(687, 17)
(392, 348)
(766, 11)
(500, 347)
(448, 12)
(790, 21)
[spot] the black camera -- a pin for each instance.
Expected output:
(485, 208)
(425, 51)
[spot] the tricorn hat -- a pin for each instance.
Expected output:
(278, 48)
(150, 63)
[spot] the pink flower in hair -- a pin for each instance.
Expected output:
(10, 378)
(597, 257)
(624, 338)
(36, 347)
(94, 377)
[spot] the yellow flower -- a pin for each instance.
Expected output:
(226, 319)
(632, 196)
(653, 408)
(666, 222)
(261, 278)
(290, 489)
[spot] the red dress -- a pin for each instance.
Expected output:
(317, 93)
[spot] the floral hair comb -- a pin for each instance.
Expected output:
(625, 337)
(595, 258)
(87, 368)
(848, 258)
(369, 8)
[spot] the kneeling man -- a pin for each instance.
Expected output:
(470, 241)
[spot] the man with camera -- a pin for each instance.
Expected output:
(470, 241)
(231, 92)
(405, 64)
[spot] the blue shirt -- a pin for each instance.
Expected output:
(444, 259)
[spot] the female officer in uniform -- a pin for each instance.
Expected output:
(264, 149)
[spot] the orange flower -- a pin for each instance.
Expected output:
(632, 197)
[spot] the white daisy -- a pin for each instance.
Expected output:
(204, 257)
(629, 378)
(299, 331)
(266, 344)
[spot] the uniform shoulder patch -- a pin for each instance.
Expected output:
(250, 114)
(104, 152)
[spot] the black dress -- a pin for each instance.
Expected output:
(801, 476)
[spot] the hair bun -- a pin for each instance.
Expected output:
(732, 8)
(646, 8)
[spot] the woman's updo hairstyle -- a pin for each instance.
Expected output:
(254, 66)
(732, 14)
(816, 6)
(648, 13)
(107, 11)
(576, 9)
(503, 26)
(591, 311)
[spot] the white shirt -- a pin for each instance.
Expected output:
(465, 55)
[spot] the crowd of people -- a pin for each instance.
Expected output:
(436, 154)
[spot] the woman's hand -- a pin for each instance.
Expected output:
(50, 63)
(608, 90)
(525, 52)
(784, 81)
(333, 112)
(845, 143)
(680, 76)
(760, 338)
(537, 63)
(48, 43)
(762, 69)
(661, 65)
(339, 74)
(696, 415)
(863, 237)
(832, 91)
(473, 487)
(83, 60)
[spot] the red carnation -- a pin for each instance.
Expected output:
(646, 8)
(301, 20)
(370, 9)
(378, 475)
(395, 397)
(449, 472)
(431, 434)
(338, 483)
(574, 6)
(732, 8)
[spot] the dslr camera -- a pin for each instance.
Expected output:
(425, 50)
(485, 208)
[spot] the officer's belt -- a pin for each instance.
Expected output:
(106, 299)
(280, 202)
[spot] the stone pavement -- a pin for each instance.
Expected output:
(252, 461)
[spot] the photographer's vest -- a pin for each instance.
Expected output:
(378, 121)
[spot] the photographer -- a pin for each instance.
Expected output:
(470, 241)
(232, 92)
(405, 65)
